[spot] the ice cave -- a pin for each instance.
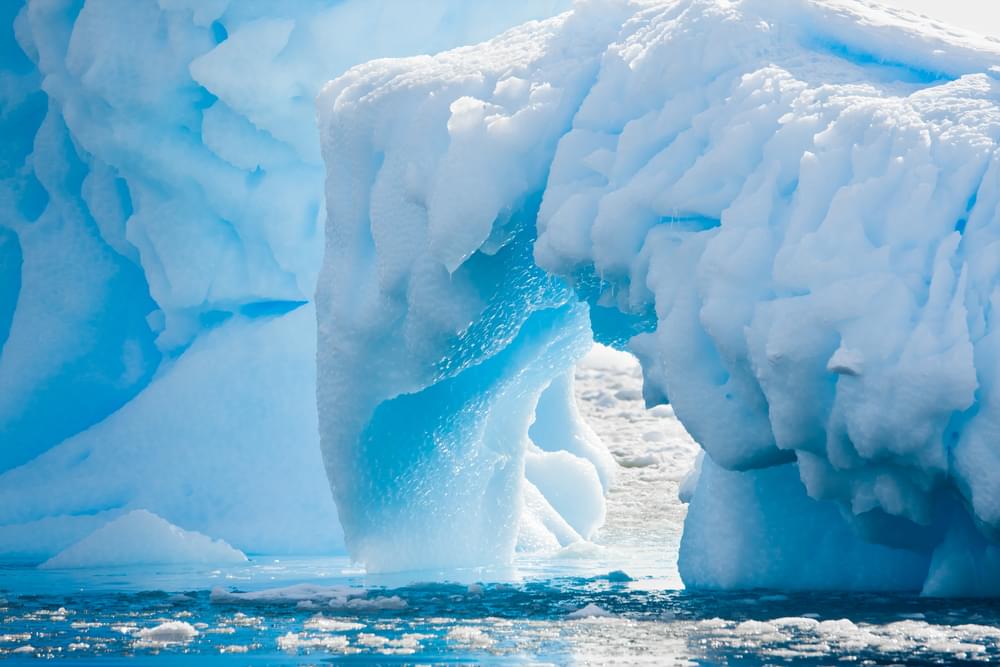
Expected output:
(285, 284)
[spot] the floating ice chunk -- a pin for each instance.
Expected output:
(310, 596)
(604, 358)
(324, 624)
(468, 635)
(164, 634)
(234, 648)
(293, 641)
(590, 611)
(287, 595)
(639, 460)
(142, 538)
(378, 603)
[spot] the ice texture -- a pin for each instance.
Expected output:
(162, 195)
(787, 211)
(165, 634)
(142, 538)
(429, 270)
(220, 443)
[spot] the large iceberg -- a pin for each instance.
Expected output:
(161, 190)
(787, 211)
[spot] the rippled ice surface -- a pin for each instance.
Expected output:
(296, 611)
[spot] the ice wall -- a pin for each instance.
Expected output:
(788, 211)
(437, 332)
(161, 191)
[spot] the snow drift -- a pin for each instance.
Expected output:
(788, 211)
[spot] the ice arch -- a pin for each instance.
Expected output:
(798, 200)
(161, 206)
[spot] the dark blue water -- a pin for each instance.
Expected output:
(170, 615)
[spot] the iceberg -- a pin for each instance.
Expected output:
(159, 245)
(787, 211)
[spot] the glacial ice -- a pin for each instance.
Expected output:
(142, 538)
(159, 244)
(787, 211)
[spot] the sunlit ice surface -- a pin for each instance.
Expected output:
(525, 171)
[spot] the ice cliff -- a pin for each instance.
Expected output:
(789, 213)
(161, 208)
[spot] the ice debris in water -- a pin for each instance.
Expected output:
(336, 597)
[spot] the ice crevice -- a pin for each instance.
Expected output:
(778, 184)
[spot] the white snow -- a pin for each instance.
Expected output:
(644, 514)
(468, 635)
(142, 538)
(293, 641)
(795, 202)
(324, 624)
(590, 611)
(165, 634)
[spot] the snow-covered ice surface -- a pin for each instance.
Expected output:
(788, 211)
